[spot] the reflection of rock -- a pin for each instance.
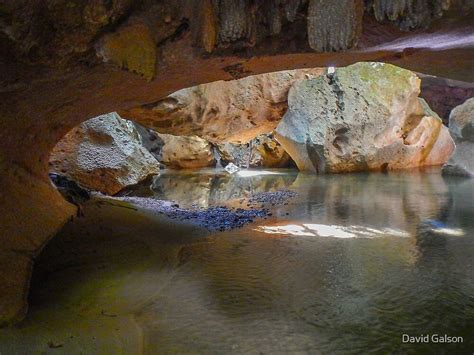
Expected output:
(398, 200)
(103, 154)
(262, 151)
(363, 117)
(461, 126)
(235, 111)
(183, 152)
(210, 188)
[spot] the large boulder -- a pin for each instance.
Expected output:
(262, 151)
(366, 116)
(103, 154)
(461, 126)
(223, 111)
(186, 152)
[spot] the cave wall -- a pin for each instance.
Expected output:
(63, 62)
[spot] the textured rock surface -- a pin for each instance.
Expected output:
(103, 154)
(263, 151)
(334, 28)
(461, 127)
(408, 14)
(186, 152)
(461, 121)
(364, 117)
(235, 111)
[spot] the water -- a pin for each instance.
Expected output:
(348, 266)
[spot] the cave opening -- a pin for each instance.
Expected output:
(236, 176)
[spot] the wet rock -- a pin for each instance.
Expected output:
(186, 152)
(103, 154)
(364, 117)
(223, 111)
(461, 127)
(263, 151)
(218, 218)
(231, 168)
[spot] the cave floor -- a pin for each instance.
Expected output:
(348, 265)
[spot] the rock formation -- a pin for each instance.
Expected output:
(235, 111)
(444, 94)
(364, 117)
(263, 151)
(461, 127)
(103, 154)
(408, 14)
(186, 152)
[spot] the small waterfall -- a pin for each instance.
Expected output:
(217, 157)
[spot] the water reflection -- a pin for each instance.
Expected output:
(348, 266)
(211, 187)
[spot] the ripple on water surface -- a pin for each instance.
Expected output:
(347, 266)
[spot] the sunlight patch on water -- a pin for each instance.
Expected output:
(332, 231)
(456, 232)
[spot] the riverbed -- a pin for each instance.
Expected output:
(350, 264)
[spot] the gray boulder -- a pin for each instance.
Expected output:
(104, 154)
(461, 127)
(366, 116)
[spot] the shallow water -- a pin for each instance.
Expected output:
(348, 266)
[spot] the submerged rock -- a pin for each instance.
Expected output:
(186, 152)
(103, 154)
(363, 117)
(263, 151)
(461, 127)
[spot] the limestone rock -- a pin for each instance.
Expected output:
(263, 151)
(186, 152)
(408, 14)
(461, 121)
(461, 127)
(233, 111)
(103, 154)
(334, 26)
(364, 117)
(131, 47)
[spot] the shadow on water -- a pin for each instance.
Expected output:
(348, 266)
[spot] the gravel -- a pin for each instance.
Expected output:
(218, 218)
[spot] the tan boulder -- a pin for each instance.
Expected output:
(366, 116)
(186, 152)
(103, 154)
(263, 151)
(223, 111)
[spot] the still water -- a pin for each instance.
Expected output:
(348, 266)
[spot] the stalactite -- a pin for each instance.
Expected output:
(272, 15)
(291, 8)
(334, 26)
(408, 14)
(235, 20)
(208, 26)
